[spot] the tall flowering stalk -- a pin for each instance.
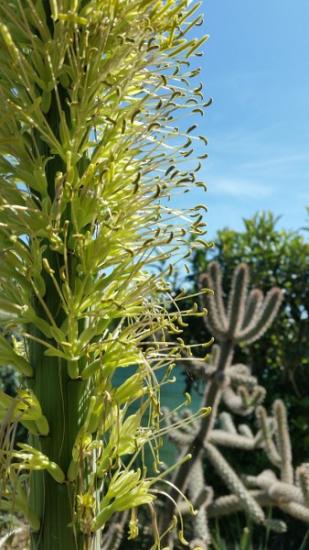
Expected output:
(89, 156)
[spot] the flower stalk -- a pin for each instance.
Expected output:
(90, 95)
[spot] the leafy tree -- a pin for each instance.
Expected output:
(89, 94)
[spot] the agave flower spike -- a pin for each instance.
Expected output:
(92, 149)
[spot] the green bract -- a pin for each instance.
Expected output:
(90, 155)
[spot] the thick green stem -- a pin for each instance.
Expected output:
(62, 401)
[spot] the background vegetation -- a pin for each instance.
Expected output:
(280, 360)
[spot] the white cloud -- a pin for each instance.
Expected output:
(239, 188)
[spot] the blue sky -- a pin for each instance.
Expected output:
(256, 67)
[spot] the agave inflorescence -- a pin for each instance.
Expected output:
(89, 157)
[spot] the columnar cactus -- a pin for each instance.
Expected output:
(199, 499)
(89, 149)
(289, 489)
(243, 320)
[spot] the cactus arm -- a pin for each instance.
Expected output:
(239, 369)
(227, 423)
(235, 441)
(245, 430)
(230, 504)
(285, 492)
(239, 378)
(204, 497)
(212, 320)
(263, 480)
(251, 399)
(196, 484)
(303, 476)
(235, 485)
(267, 314)
(237, 299)
(215, 355)
(267, 440)
(285, 496)
(283, 442)
(180, 438)
(215, 282)
(295, 510)
(212, 395)
(200, 523)
(232, 400)
(243, 402)
(253, 305)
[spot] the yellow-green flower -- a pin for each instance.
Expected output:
(126, 490)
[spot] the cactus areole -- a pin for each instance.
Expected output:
(90, 147)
